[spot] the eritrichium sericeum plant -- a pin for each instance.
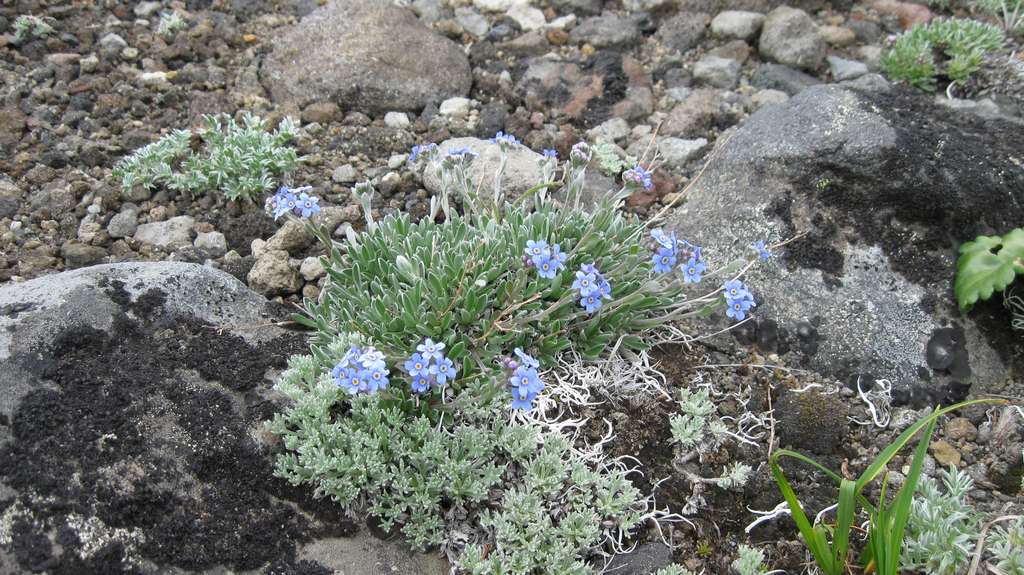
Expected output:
(240, 160)
(423, 400)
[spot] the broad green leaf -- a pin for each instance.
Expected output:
(987, 265)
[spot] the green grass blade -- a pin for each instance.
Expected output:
(901, 505)
(886, 455)
(814, 539)
(833, 475)
(844, 521)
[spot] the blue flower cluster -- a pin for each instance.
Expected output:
(525, 381)
(547, 260)
(738, 300)
(667, 252)
(550, 153)
(361, 371)
(592, 287)
(293, 200)
(639, 177)
(429, 367)
(505, 140)
(461, 153)
(762, 250)
(421, 150)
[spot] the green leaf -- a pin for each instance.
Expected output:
(986, 265)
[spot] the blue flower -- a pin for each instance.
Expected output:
(664, 240)
(461, 153)
(421, 384)
(592, 287)
(664, 260)
(352, 381)
(547, 268)
(737, 308)
(431, 350)
(417, 366)
(338, 373)
(735, 290)
(585, 284)
(372, 358)
(537, 251)
(693, 270)
(351, 356)
(558, 255)
(591, 302)
(549, 153)
(522, 400)
(528, 360)
(738, 299)
(376, 379)
(308, 205)
(504, 140)
(420, 149)
(638, 176)
(762, 250)
(525, 382)
(282, 202)
(443, 370)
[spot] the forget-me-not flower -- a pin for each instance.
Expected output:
(421, 384)
(417, 366)
(692, 271)
(376, 378)
(526, 359)
(443, 370)
(664, 260)
(762, 250)
(638, 176)
(430, 349)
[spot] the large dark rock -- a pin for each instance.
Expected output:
(883, 186)
(369, 56)
(132, 402)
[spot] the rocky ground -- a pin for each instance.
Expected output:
(781, 100)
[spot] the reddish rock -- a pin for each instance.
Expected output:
(908, 13)
(693, 116)
(643, 199)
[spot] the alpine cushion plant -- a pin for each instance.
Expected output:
(959, 44)
(432, 341)
(942, 528)
(242, 161)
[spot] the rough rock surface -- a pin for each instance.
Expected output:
(522, 171)
(884, 187)
(791, 37)
(132, 399)
(370, 56)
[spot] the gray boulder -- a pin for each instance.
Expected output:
(522, 171)
(791, 37)
(608, 29)
(881, 186)
(718, 72)
(132, 404)
(370, 56)
(683, 31)
(168, 235)
(737, 24)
